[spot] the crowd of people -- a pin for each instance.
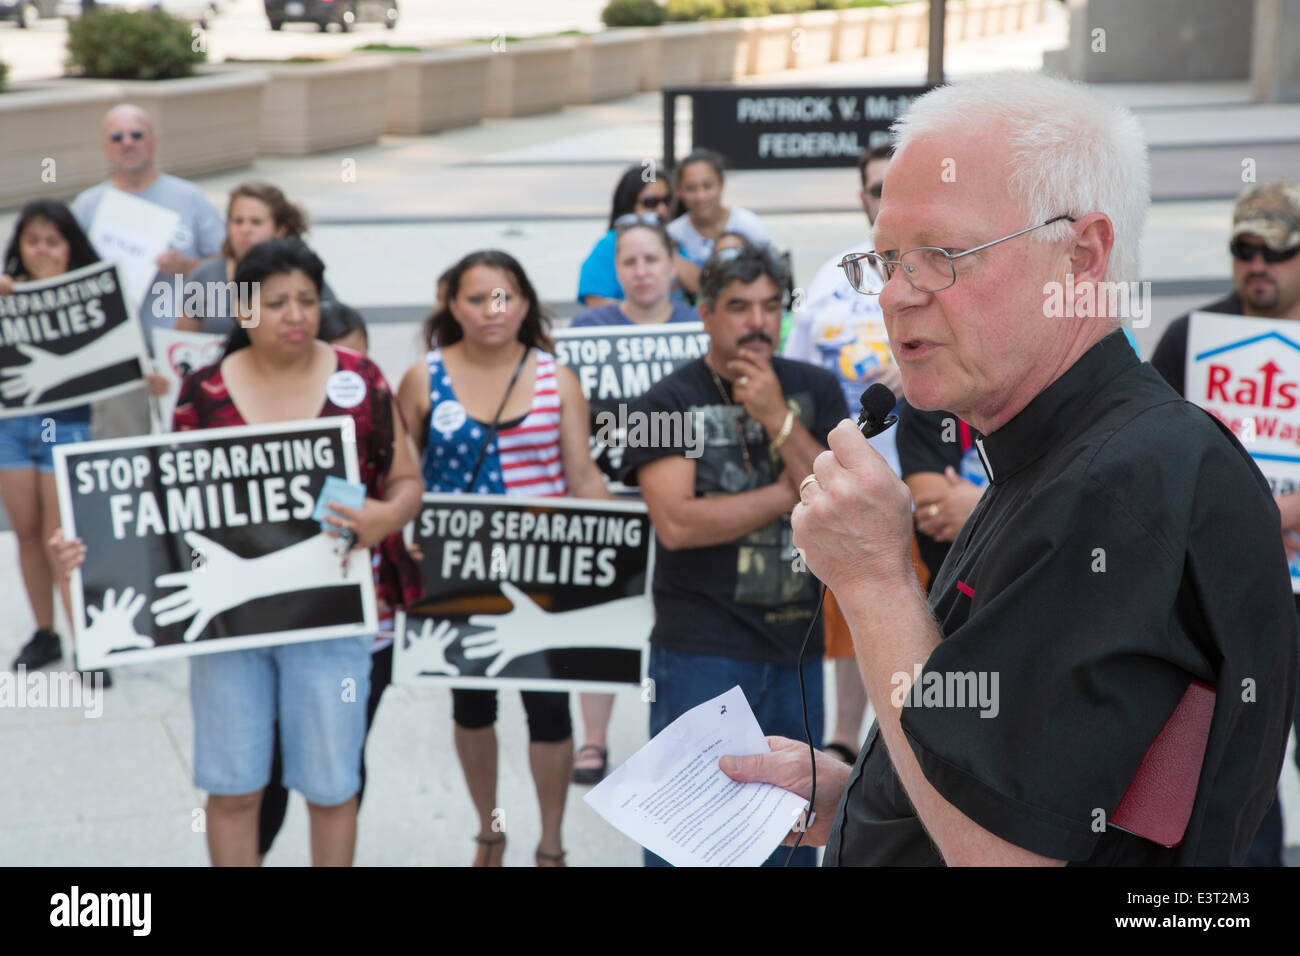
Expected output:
(731, 607)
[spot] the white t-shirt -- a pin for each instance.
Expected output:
(697, 249)
(842, 330)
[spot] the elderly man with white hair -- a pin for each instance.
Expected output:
(1104, 620)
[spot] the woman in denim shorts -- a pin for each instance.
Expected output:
(46, 242)
(276, 370)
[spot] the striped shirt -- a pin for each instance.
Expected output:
(523, 460)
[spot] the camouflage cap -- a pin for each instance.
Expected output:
(1270, 211)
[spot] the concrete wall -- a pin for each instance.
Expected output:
(1275, 56)
(1113, 41)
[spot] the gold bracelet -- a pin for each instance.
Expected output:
(786, 428)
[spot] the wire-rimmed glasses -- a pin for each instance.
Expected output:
(927, 268)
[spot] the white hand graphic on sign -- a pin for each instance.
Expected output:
(430, 651)
(224, 580)
(112, 627)
(42, 372)
(45, 370)
(527, 629)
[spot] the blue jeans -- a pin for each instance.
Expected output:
(681, 681)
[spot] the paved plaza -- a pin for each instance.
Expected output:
(118, 789)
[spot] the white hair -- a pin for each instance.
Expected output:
(1070, 151)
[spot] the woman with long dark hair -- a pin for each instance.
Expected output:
(46, 242)
(277, 370)
(501, 398)
(642, 190)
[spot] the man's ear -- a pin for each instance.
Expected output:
(862, 198)
(1094, 241)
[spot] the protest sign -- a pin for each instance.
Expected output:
(176, 355)
(615, 365)
(531, 593)
(132, 232)
(203, 541)
(1246, 373)
(67, 341)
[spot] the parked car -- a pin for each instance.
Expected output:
(22, 12)
(197, 11)
(345, 13)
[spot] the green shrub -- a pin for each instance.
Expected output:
(117, 45)
(689, 10)
(745, 8)
(830, 4)
(632, 13)
(790, 6)
(4, 74)
(869, 3)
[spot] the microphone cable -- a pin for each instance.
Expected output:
(877, 403)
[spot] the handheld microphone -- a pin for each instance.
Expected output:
(877, 406)
(876, 415)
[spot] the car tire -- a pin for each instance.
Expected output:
(28, 15)
(277, 24)
(347, 19)
(391, 22)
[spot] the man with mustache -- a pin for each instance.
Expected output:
(1265, 247)
(732, 599)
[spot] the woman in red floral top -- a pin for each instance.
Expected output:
(275, 370)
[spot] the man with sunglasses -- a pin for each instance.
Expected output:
(1265, 248)
(1108, 595)
(130, 144)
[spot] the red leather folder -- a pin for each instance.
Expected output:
(1158, 802)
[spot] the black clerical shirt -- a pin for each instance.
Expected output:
(1114, 559)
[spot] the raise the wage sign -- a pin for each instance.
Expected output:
(1246, 373)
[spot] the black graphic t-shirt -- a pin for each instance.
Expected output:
(744, 599)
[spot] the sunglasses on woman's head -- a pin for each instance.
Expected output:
(1246, 252)
(629, 219)
(136, 134)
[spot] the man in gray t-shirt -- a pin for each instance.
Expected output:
(130, 143)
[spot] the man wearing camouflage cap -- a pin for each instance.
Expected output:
(1265, 247)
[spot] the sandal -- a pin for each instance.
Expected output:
(842, 752)
(487, 850)
(595, 774)
(551, 859)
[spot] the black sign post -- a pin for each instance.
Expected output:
(800, 127)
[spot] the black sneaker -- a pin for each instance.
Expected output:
(88, 676)
(44, 648)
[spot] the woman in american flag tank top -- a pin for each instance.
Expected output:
(489, 350)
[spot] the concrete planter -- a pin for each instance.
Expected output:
(313, 107)
(913, 30)
(530, 77)
(674, 55)
(813, 42)
(851, 38)
(772, 49)
(437, 89)
(977, 18)
(607, 65)
(50, 147)
(882, 25)
(206, 123)
(954, 21)
(726, 56)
